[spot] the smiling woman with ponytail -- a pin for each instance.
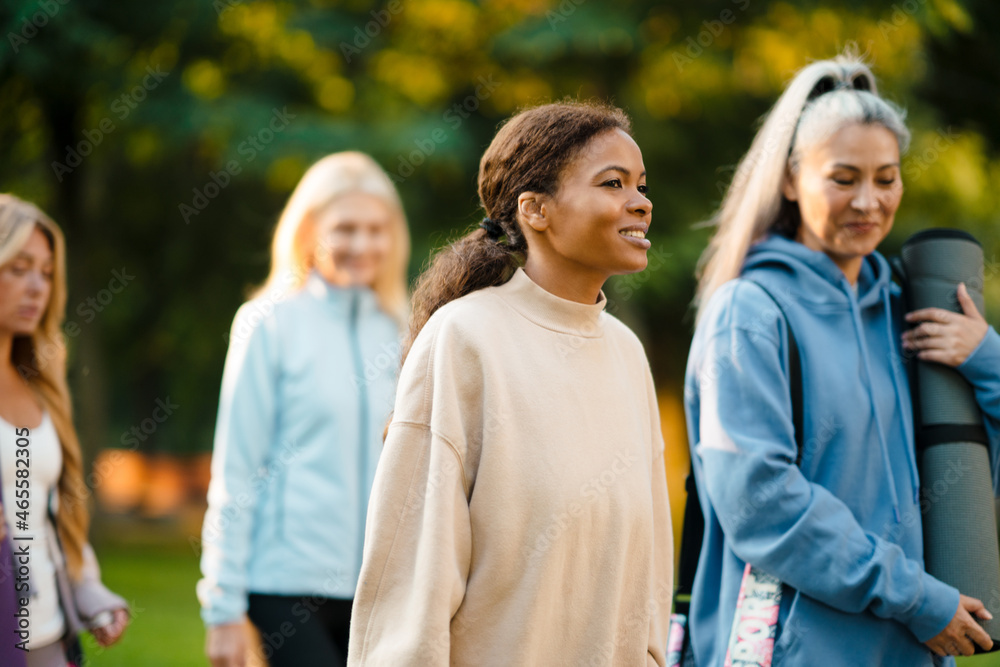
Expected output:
(519, 513)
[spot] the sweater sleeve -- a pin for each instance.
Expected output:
(663, 542)
(797, 528)
(418, 546)
(243, 435)
(982, 370)
(663, 565)
(89, 594)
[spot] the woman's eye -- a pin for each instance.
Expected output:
(614, 182)
(889, 181)
(644, 189)
(843, 181)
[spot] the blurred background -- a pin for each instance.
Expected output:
(166, 136)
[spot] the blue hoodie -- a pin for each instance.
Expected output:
(843, 531)
(308, 385)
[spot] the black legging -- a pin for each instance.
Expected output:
(301, 630)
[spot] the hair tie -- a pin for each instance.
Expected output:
(859, 82)
(493, 229)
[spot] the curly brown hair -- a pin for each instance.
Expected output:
(528, 154)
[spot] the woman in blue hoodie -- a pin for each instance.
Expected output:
(308, 384)
(809, 203)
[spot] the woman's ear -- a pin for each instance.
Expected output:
(531, 210)
(789, 188)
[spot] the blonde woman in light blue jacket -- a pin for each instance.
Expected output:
(308, 384)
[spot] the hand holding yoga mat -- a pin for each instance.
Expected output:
(960, 536)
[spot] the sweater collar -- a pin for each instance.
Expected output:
(550, 311)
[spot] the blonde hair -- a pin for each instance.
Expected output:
(334, 176)
(40, 359)
(821, 99)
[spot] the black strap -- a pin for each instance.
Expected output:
(692, 533)
(945, 434)
(794, 377)
(693, 530)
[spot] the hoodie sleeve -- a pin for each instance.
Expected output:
(243, 436)
(795, 529)
(982, 370)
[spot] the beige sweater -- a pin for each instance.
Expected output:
(519, 514)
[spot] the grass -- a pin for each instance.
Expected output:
(155, 570)
(157, 576)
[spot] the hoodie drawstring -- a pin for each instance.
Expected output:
(907, 423)
(856, 319)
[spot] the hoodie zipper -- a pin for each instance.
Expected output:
(362, 421)
(280, 493)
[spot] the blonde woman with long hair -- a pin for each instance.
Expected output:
(307, 387)
(839, 521)
(44, 495)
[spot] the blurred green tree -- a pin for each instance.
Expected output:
(165, 138)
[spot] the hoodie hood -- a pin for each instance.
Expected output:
(817, 279)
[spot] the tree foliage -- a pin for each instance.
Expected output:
(166, 136)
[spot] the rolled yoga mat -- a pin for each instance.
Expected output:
(959, 521)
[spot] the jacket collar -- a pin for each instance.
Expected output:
(346, 298)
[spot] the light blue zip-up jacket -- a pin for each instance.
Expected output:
(308, 384)
(844, 530)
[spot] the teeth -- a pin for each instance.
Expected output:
(636, 234)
